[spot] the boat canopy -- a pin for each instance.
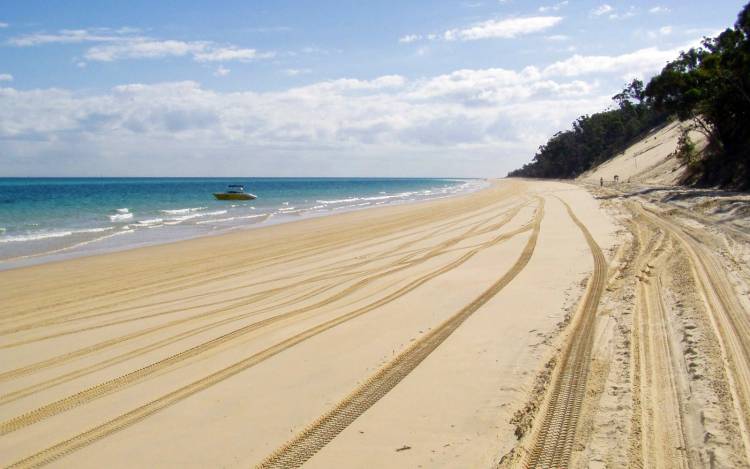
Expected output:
(235, 188)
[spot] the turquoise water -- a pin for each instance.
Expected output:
(56, 217)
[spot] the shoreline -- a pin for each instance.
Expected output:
(109, 243)
(257, 333)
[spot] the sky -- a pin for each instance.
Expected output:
(463, 88)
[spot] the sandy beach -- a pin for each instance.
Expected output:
(523, 324)
(216, 351)
(491, 235)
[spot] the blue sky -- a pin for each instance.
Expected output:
(281, 88)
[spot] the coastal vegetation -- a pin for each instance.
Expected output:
(595, 138)
(708, 85)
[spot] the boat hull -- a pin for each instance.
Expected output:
(227, 196)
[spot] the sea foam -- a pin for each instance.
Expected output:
(122, 216)
(181, 211)
(337, 201)
(49, 234)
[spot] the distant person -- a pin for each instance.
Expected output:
(617, 178)
(601, 182)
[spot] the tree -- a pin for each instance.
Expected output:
(632, 94)
(711, 85)
(594, 138)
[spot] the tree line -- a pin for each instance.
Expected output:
(709, 84)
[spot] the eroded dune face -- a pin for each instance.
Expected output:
(651, 160)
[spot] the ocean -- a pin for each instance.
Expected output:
(44, 219)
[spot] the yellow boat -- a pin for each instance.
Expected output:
(234, 192)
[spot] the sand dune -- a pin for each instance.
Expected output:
(649, 161)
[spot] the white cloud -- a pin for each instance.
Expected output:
(409, 38)
(3, 25)
(201, 51)
(343, 85)
(631, 12)
(138, 49)
(507, 28)
(72, 36)
(293, 72)
(655, 34)
(124, 43)
(555, 7)
(602, 9)
(557, 37)
(221, 71)
(125, 30)
(494, 86)
(495, 118)
(6, 77)
(659, 9)
(638, 63)
(702, 32)
(476, 82)
(226, 54)
(486, 112)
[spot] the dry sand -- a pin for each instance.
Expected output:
(534, 324)
(674, 354)
(650, 161)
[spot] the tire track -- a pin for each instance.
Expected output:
(60, 359)
(301, 448)
(556, 429)
(23, 392)
(329, 273)
(635, 433)
(83, 439)
(141, 374)
(661, 433)
(140, 280)
(730, 321)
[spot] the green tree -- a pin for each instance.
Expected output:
(711, 85)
